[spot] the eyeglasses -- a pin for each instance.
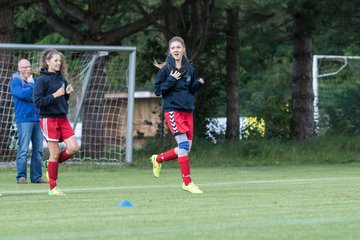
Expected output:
(26, 67)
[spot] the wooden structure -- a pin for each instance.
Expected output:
(147, 116)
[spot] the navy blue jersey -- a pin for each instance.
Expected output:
(177, 95)
(47, 84)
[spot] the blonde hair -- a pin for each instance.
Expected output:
(174, 39)
(47, 54)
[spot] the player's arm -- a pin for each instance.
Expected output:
(17, 89)
(196, 84)
(163, 82)
(68, 90)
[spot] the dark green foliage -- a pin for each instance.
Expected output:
(154, 48)
(31, 28)
(344, 114)
(268, 97)
(339, 98)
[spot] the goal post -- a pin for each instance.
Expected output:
(105, 126)
(335, 65)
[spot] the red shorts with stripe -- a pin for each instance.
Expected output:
(180, 122)
(56, 129)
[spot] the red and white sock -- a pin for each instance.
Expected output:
(184, 164)
(166, 156)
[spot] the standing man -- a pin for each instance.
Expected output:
(27, 122)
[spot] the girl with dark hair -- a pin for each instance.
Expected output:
(51, 95)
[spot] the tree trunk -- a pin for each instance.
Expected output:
(190, 21)
(232, 74)
(302, 118)
(6, 23)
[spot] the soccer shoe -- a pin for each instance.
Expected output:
(156, 166)
(191, 188)
(55, 192)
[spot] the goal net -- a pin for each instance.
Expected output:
(336, 84)
(103, 124)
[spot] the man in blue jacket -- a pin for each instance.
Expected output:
(27, 122)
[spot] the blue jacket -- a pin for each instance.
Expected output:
(177, 95)
(46, 85)
(21, 92)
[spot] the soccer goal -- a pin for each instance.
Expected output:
(336, 85)
(103, 124)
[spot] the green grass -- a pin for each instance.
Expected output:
(273, 202)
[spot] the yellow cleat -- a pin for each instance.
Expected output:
(156, 166)
(191, 188)
(55, 192)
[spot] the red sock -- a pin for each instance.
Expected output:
(64, 156)
(184, 164)
(166, 156)
(53, 168)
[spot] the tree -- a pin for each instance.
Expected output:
(244, 18)
(302, 118)
(190, 21)
(232, 74)
(101, 22)
(6, 22)
(7, 18)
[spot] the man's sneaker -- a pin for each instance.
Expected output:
(191, 188)
(156, 166)
(42, 180)
(22, 180)
(45, 165)
(55, 192)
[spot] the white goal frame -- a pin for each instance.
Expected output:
(316, 76)
(130, 82)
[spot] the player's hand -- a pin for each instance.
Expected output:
(175, 74)
(30, 79)
(69, 89)
(201, 80)
(60, 92)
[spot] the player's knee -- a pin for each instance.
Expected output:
(75, 149)
(72, 149)
(183, 148)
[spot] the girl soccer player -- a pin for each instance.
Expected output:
(51, 95)
(176, 83)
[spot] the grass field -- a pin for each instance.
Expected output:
(275, 202)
